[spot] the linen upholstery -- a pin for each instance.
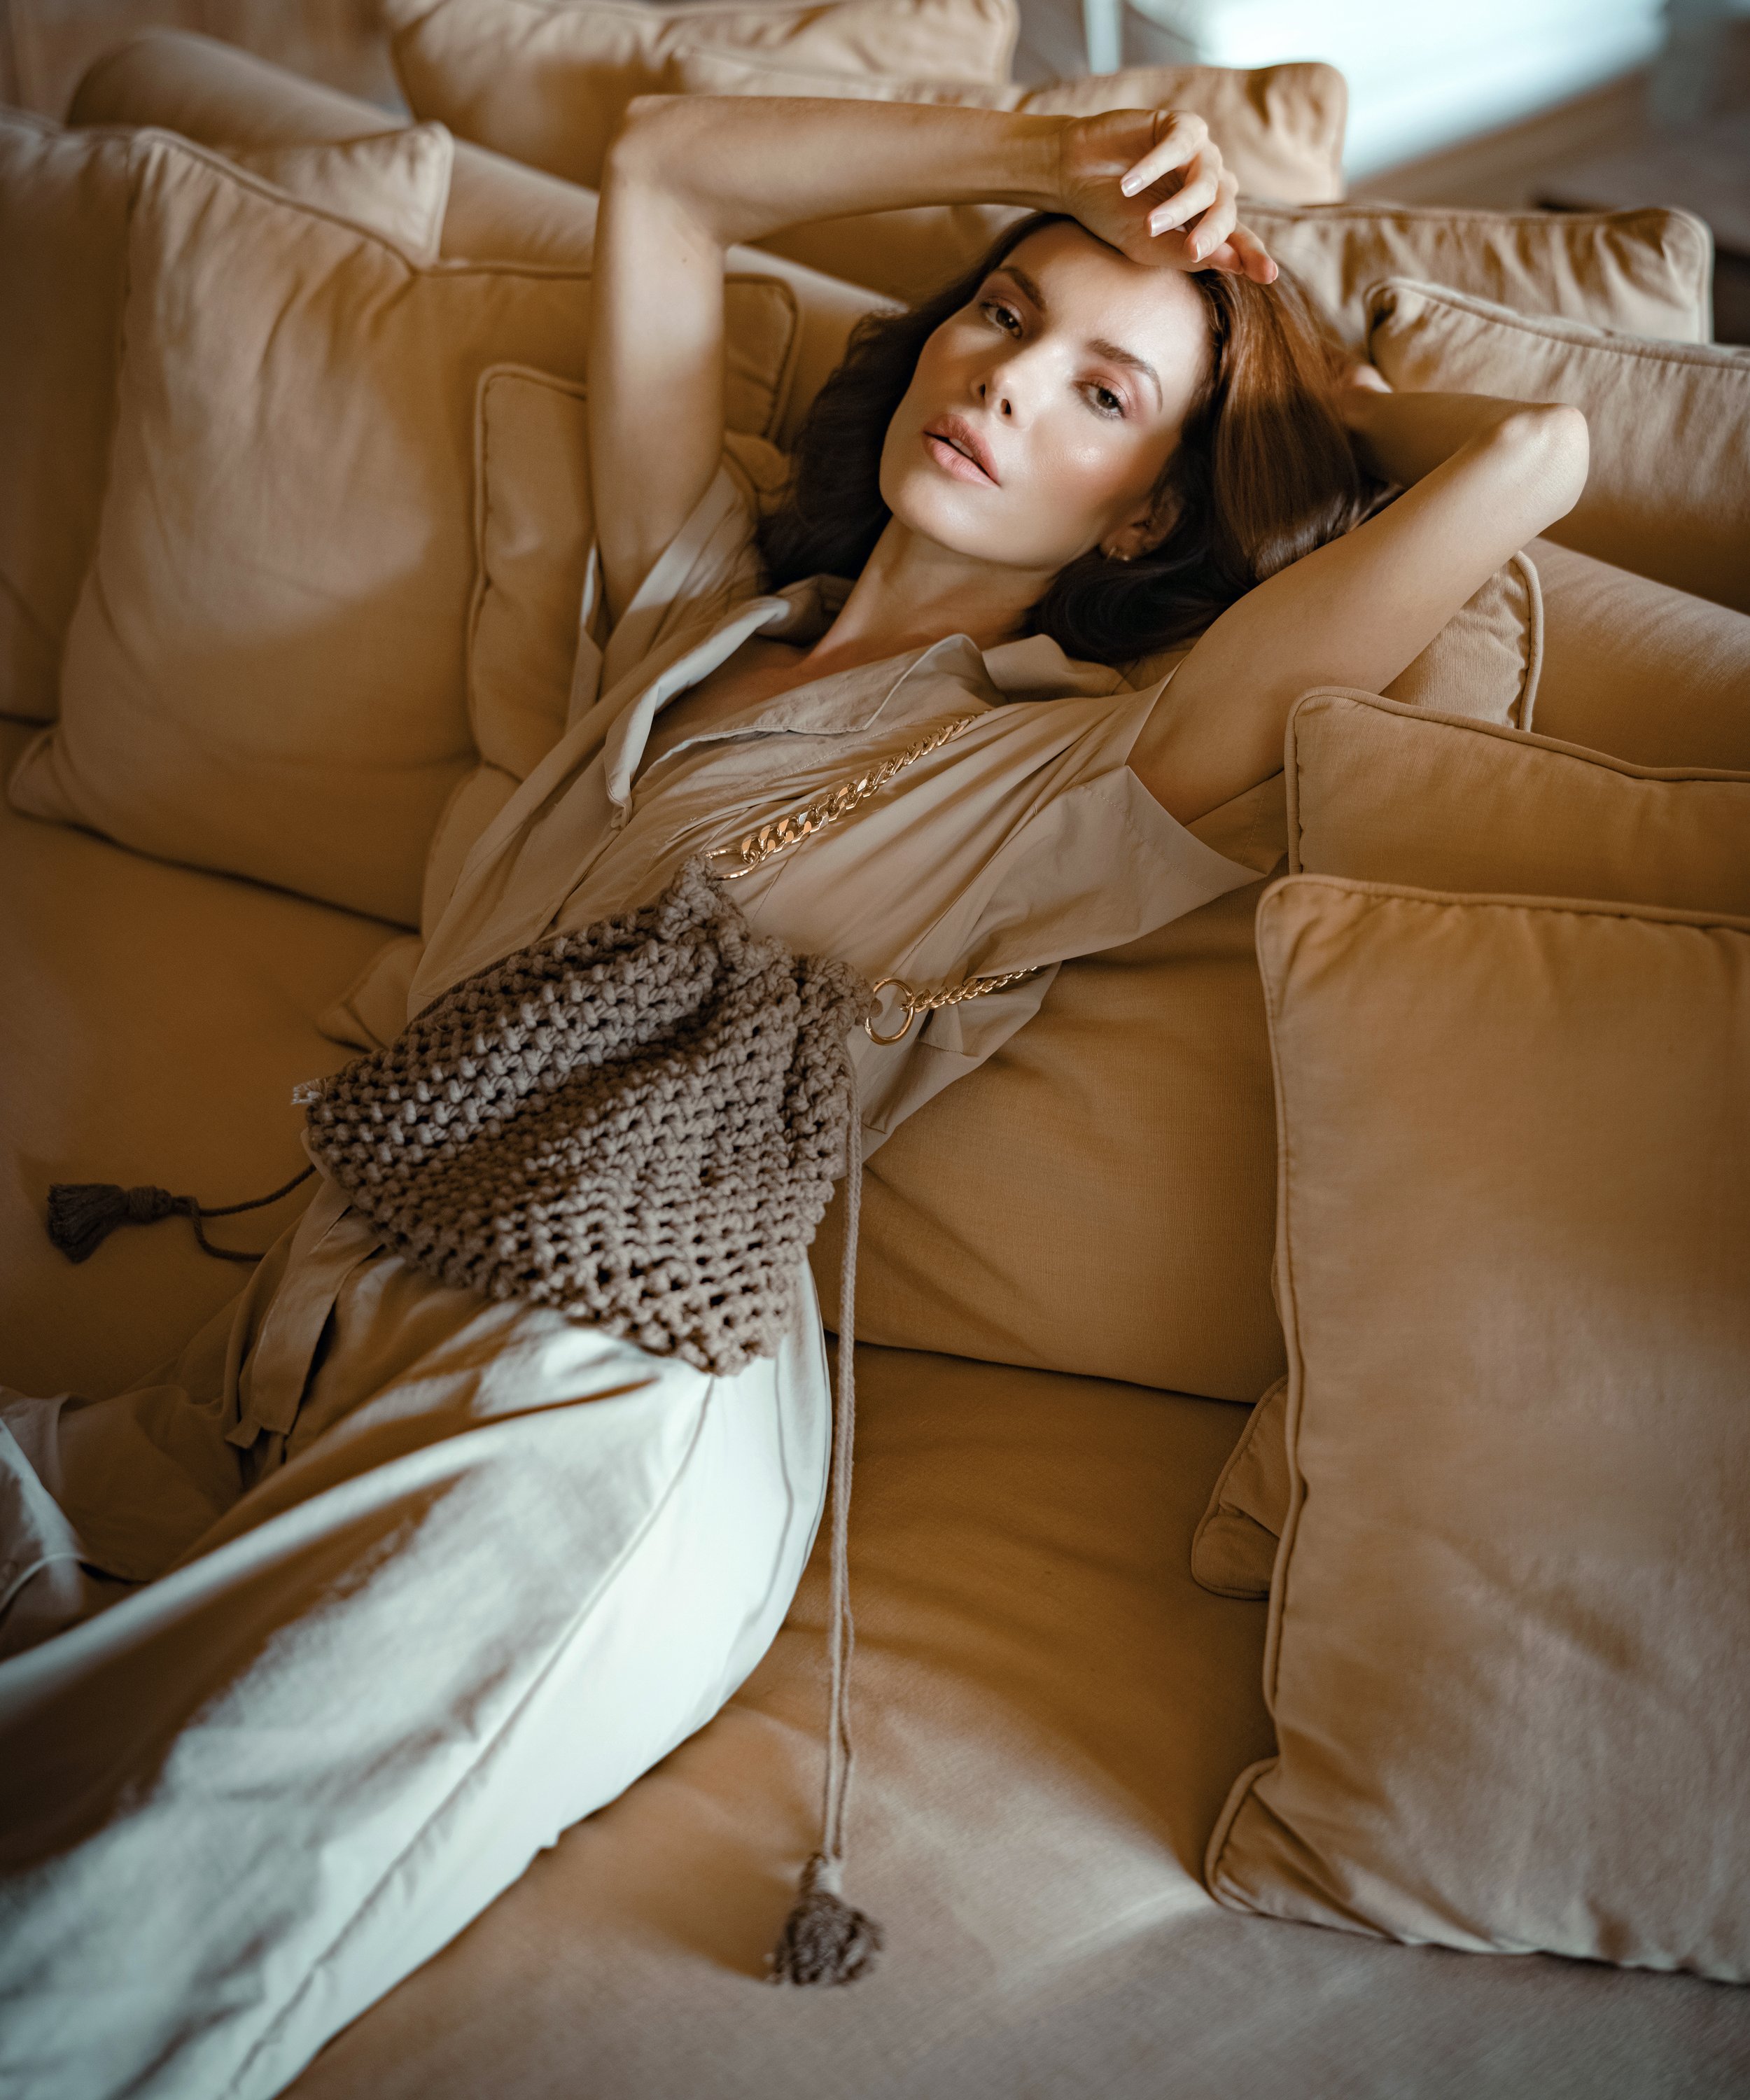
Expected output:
(397, 182)
(548, 81)
(1646, 272)
(1047, 1713)
(267, 677)
(1385, 793)
(157, 1020)
(1382, 793)
(1505, 1658)
(64, 199)
(1279, 128)
(1233, 1549)
(499, 211)
(1668, 494)
(1635, 667)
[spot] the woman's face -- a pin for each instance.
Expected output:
(1040, 417)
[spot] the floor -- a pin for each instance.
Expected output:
(1677, 135)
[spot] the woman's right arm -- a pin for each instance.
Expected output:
(689, 177)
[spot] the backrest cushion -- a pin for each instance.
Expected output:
(266, 674)
(64, 199)
(1668, 496)
(1638, 669)
(499, 210)
(1505, 1656)
(547, 82)
(1280, 129)
(1648, 272)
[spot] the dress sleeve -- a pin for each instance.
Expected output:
(1077, 857)
(710, 564)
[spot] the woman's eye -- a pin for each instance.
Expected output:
(1105, 402)
(1005, 317)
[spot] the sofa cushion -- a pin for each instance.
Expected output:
(1505, 1661)
(1279, 128)
(1385, 793)
(64, 199)
(1635, 667)
(1047, 1714)
(266, 672)
(1669, 491)
(1648, 272)
(547, 82)
(155, 1023)
(395, 183)
(499, 211)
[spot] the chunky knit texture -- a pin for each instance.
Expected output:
(639, 1125)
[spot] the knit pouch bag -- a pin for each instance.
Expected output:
(639, 1125)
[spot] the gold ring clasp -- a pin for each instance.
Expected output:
(908, 1009)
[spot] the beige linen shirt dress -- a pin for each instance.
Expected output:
(315, 1637)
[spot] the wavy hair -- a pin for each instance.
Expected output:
(1262, 473)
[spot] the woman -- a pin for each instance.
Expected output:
(316, 1639)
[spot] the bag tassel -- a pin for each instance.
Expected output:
(83, 1214)
(825, 1939)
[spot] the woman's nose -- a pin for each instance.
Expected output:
(997, 392)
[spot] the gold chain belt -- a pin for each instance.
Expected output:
(755, 848)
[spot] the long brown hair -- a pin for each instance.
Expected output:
(1263, 472)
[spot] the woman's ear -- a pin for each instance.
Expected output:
(1144, 532)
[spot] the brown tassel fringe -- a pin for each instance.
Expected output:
(824, 1940)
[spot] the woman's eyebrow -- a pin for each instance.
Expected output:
(1029, 285)
(1118, 355)
(1115, 352)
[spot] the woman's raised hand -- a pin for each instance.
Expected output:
(1152, 184)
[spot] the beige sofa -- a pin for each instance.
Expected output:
(1051, 1711)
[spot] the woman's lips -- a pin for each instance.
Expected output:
(953, 461)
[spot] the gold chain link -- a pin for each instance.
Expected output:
(755, 848)
(914, 1003)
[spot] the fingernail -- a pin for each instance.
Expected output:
(1130, 185)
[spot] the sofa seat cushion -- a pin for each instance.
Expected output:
(1046, 1710)
(154, 1022)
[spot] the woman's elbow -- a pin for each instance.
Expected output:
(1551, 451)
(639, 148)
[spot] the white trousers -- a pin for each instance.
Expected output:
(240, 1802)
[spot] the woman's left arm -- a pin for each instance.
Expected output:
(1487, 476)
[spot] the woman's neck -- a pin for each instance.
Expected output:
(913, 592)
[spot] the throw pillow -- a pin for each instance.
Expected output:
(395, 183)
(1506, 1657)
(1648, 272)
(1279, 127)
(547, 82)
(1384, 793)
(64, 198)
(1669, 491)
(266, 674)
